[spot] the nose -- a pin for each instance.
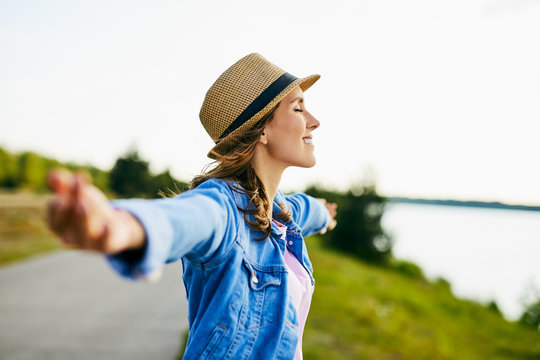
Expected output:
(311, 122)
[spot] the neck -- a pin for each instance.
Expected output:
(269, 173)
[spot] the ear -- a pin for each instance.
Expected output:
(263, 139)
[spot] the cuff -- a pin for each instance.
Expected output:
(148, 262)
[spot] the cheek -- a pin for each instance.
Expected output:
(293, 136)
(296, 127)
(286, 134)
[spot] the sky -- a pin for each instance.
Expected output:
(429, 98)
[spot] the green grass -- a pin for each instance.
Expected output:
(361, 311)
(23, 232)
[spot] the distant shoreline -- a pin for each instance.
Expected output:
(476, 204)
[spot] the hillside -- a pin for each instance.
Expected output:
(361, 311)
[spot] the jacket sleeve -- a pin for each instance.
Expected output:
(195, 224)
(308, 213)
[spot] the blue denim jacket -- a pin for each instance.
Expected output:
(238, 302)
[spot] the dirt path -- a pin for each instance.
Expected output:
(70, 305)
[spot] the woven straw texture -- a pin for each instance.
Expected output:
(236, 89)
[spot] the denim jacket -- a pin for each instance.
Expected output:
(238, 302)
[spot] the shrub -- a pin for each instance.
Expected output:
(531, 315)
(359, 231)
(408, 268)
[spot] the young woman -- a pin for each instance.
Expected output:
(247, 273)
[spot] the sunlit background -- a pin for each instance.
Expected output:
(431, 99)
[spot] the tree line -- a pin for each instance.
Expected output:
(359, 232)
(360, 210)
(129, 177)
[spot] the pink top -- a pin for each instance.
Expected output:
(300, 289)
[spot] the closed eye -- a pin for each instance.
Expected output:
(299, 110)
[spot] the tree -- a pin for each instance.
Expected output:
(130, 176)
(8, 169)
(531, 303)
(359, 231)
(165, 184)
(531, 315)
(32, 171)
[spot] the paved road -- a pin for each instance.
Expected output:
(70, 305)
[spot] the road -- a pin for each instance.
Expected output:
(71, 305)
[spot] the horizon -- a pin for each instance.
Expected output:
(393, 198)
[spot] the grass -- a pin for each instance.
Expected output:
(23, 232)
(360, 311)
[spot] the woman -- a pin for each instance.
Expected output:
(247, 273)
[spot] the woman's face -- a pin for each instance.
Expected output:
(288, 136)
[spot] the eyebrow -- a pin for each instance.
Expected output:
(299, 98)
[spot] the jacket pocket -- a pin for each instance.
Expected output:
(213, 341)
(265, 292)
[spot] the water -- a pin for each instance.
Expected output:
(486, 254)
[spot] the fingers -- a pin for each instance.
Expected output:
(72, 214)
(57, 213)
(332, 210)
(81, 215)
(59, 210)
(60, 181)
(332, 225)
(93, 220)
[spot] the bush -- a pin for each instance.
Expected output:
(130, 176)
(408, 268)
(492, 305)
(359, 231)
(531, 315)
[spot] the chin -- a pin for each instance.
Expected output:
(309, 163)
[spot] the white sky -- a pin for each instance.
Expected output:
(438, 98)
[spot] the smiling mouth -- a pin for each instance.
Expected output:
(308, 141)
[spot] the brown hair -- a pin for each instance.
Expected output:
(235, 165)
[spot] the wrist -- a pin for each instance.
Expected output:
(132, 230)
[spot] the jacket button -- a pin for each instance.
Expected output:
(254, 279)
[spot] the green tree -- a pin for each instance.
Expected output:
(165, 184)
(100, 178)
(8, 169)
(32, 171)
(531, 315)
(130, 176)
(359, 231)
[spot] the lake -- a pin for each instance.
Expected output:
(486, 254)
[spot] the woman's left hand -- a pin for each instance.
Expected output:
(332, 210)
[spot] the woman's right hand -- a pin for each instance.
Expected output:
(82, 217)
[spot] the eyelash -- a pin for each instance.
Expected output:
(299, 110)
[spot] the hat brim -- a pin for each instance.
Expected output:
(224, 145)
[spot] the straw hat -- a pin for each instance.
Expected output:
(242, 95)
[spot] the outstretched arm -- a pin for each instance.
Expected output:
(194, 224)
(311, 214)
(81, 215)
